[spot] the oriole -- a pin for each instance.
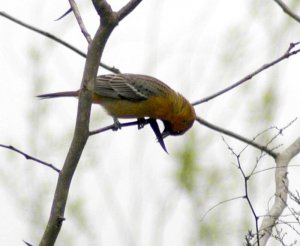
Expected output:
(139, 96)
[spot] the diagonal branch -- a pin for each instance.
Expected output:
(282, 161)
(103, 9)
(123, 12)
(80, 21)
(286, 55)
(56, 39)
(236, 136)
(287, 10)
(29, 157)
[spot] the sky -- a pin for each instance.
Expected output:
(125, 188)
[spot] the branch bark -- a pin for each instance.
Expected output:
(108, 22)
(281, 192)
(29, 157)
(238, 137)
(80, 21)
(287, 10)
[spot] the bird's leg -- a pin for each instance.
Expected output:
(141, 122)
(117, 124)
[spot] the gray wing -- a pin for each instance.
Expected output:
(129, 86)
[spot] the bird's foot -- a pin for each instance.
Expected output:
(117, 125)
(141, 122)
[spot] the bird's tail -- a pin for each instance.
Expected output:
(59, 94)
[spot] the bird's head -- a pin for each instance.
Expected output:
(182, 118)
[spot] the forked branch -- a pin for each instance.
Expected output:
(281, 192)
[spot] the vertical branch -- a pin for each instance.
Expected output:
(80, 137)
(281, 180)
(108, 21)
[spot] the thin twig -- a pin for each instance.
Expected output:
(218, 204)
(280, 132)
(80, 21)
(286, 55)
(64, 15)
(51, 36)
(287, 10)
(270, 168)
(28, 244)
(113, 127)
(246, 185)
(246, 179)
(29, 157)
(236, 136)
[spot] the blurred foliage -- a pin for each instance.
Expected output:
(203, 182)
(188, 169)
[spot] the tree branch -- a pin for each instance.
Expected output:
(81, 134)
(113, 126)
(286, 55)
(287, 10)
(29, 157)
(282, 161)
(123, 12)
(51, 36)
(103, 8)
(236, 136)
(80, 21)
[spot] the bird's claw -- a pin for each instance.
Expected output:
(117, 125)
(141, 122)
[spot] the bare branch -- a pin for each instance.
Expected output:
(270, 168)
(236, 136)
(287, 10)
(28, 244)
(286, 55)
(51, 36)
(123, 12)
(219, 204)
(80, 21)
(29, 157)
(65, 14)
(112, 127)
(103, 9)
(246, 178)
(81, 134)
(282, 161)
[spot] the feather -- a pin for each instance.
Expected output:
(129, 87)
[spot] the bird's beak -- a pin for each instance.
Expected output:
(159, 136)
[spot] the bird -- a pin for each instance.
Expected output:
(126, 96)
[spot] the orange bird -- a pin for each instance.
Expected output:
(138, 96)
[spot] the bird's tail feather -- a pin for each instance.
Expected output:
(59, 94)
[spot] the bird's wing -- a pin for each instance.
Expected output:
(129, 86)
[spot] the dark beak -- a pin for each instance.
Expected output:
(159, 136)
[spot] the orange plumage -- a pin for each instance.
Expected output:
(139, 96)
